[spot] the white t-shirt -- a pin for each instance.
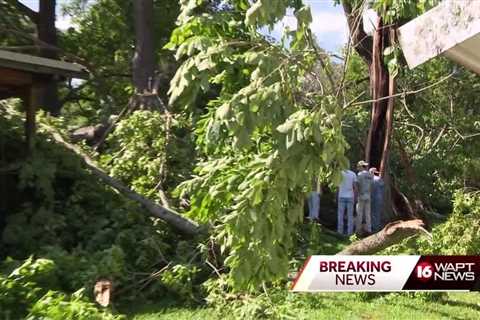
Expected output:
(345, 190)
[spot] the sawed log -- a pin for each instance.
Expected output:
(393, 233)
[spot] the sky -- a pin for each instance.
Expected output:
(62, 22)
(329, 23)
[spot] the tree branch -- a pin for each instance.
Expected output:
(171, 217)
(362, 42)
(402, 94)
(393, 233)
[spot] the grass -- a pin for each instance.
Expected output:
(396, 306)
(456, 306)
(315, 240)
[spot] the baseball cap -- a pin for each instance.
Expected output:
(362, 163)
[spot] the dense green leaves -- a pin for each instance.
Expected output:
(24, 294)
(57, 210)
(456, 236)
(260, 144)
(150, 152)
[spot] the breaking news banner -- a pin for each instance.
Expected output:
(389, 273)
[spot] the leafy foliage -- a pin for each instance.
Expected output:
(149, 150)
(260, 146)
(24, 293)
(457, 236)
(90, 232)
(398, 10)
(242, 114)
(57, 306)
(437, 129)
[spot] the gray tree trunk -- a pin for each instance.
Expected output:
(144, 57)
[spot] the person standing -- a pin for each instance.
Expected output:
(346, 197)
(314, 206)
(378, 190)
(314, 200)
(364, 181)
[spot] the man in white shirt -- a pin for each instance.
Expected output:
(346, 198)
(314, 200)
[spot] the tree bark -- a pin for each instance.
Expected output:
(144, 57)
(47, 33)
(380, 87)
(360, 40)
(382, 84)
(393, 233)
(143, 62)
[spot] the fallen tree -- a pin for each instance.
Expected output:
(393, 233)
(173, 218)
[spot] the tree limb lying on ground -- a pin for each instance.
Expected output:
(393, 233)
(173, 218)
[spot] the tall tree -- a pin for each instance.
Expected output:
(382, 87)
(144, 59)
(48, 33)
(143, 62)
(371, 48)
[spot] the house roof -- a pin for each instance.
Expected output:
(34, 64)
(452, 28)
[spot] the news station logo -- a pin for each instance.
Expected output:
(446, 273)
(389, 273)
(450, 271)
(424, 271)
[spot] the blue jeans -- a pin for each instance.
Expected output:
(377, 209)
(378, 192)
(345, 203)
(313, 205)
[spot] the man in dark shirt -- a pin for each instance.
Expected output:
(364, 182)
(378, 190)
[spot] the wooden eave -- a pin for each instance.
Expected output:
(39, 65)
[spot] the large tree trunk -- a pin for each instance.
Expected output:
(47, 32)
(143, 63)
(379, 87)
(144, 57)
(382, 85)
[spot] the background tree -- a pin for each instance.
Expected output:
(34, 36)
(380, 53)
(105, 37)
(47, 32)
(143, 63)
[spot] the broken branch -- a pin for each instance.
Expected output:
(393, 233)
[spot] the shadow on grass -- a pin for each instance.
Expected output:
(432, 310)
(164, 306)
(464, 304)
